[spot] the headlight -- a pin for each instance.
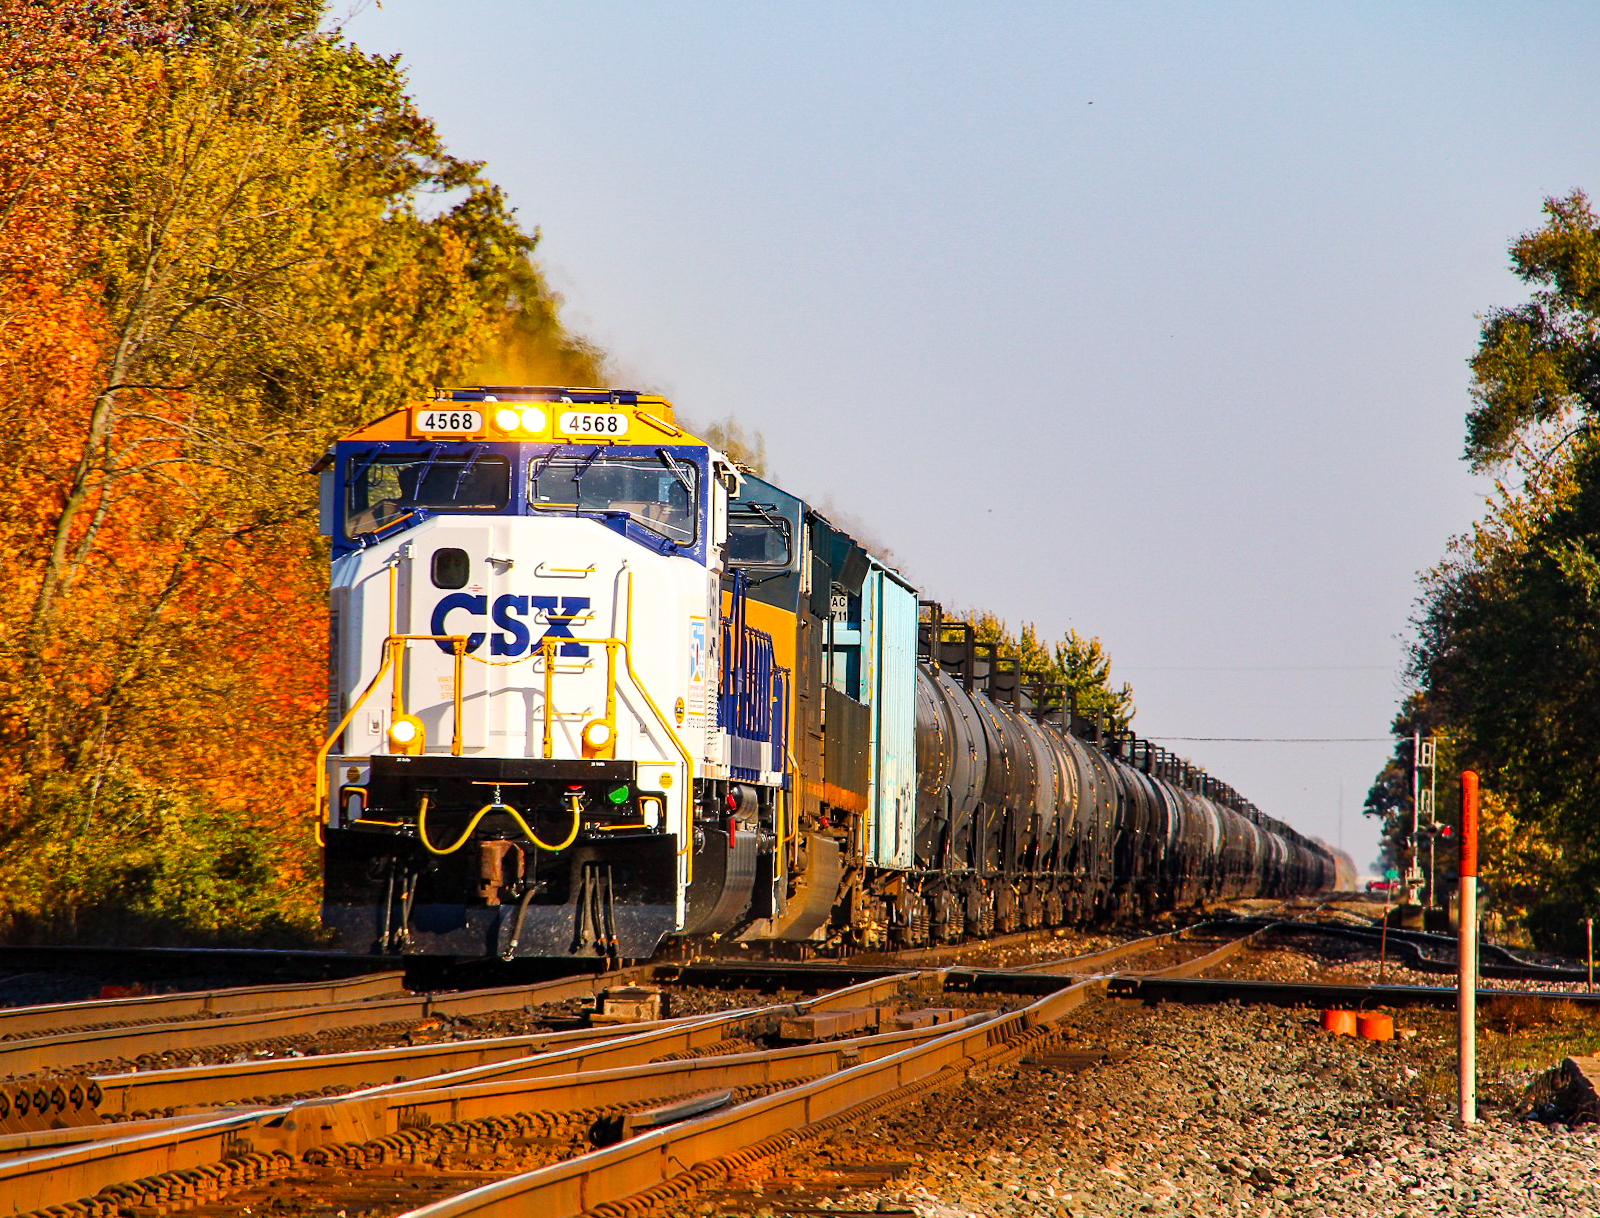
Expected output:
(532, 418)
(506, 419)
(406, 735)
(597, 735)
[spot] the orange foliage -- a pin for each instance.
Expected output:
(212, 261)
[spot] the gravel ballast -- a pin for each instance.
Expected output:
(1226, 1110)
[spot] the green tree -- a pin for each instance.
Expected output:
(1536, 373)
(1506, 655)
(1074, 663)
(1508, 652)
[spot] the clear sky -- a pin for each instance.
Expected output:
(1148, 320)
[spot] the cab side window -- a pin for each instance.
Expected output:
(451, 568)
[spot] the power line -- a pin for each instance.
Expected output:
(1255, 667)
(1273, 739)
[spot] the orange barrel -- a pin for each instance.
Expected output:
(1340, 1023)
(1376, 1027)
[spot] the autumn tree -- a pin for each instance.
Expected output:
(749, 449)
(253, 242)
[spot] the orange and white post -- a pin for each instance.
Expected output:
(1467, 955)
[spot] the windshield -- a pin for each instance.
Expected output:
(385, 490)
(758, 539)
(659, 492)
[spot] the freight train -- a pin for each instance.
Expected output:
(593, 685)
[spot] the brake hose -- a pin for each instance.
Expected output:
(422, 827)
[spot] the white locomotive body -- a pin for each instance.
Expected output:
(523, 675)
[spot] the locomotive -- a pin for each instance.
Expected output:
(592, 685)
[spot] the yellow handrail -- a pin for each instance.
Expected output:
(393, 646)
(627, 656)
(322, 753)
(688, 764)
(611, 695)
(458, 644)
(548, 647)
(612, 646)
(394, 652)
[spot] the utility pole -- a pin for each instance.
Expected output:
(1433, 892)
(1341, 813)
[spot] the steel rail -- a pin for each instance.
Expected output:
(1300, 993)
(1496, 962)
(58, 1177)
(44, 1139)
(72, 1173)
(1200, 964)
(652, 1159)
(148, 1090)
(1208, 961)
(687, 1037)
(1097, 960)
(934, 953)
(298, 964)
(429, 1085)
(238, 1082)
(81, 1048)
(775, 975)
(54, 1017)
(382, 1112)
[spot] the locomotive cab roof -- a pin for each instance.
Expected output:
(517, 413)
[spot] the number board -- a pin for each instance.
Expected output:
(608, 424)
(431, 421)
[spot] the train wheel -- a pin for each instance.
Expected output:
(1055, 909)
(1007, 912)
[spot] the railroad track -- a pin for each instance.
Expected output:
(600, 1074)
(1429, 952)
(249, 1129)
(602, 1118)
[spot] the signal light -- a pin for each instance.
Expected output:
(618, 795)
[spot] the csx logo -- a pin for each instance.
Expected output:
(558, 613)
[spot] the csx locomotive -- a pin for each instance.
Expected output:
(591, 684)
